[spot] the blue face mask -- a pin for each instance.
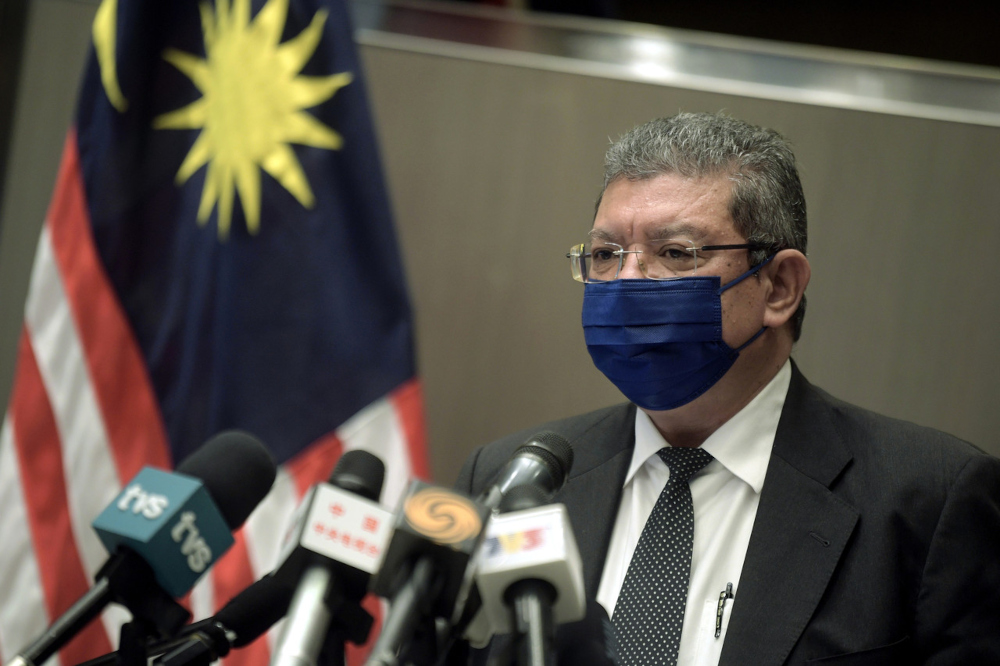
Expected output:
(660, 341)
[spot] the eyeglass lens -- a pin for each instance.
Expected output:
(658, 259)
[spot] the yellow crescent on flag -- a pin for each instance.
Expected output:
(104, 31)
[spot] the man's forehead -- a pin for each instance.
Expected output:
(667, 205)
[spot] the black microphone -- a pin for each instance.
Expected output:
(164, 531)
(255, 610)
(239, 622)
(337, 546)
(543, 461)
(242, 620)
(530, 574)
(322, 575)
(426, 567)
(590, 641)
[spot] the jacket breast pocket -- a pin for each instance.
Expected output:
(885, 655)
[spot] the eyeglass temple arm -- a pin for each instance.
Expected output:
(738, 246)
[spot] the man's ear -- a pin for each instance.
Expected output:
(788, 275)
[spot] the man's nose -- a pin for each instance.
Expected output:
(632, 266)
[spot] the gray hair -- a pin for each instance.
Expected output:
(767, 204)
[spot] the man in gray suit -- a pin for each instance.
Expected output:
(731, 512)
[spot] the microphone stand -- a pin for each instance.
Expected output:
(126, 579)
(132, 643)
(530, 600)
(412, 601)
(532, 620)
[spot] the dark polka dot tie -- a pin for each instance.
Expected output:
(649, 614)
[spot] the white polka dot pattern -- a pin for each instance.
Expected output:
(650, 610)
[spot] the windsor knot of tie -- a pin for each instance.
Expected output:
(684, 462)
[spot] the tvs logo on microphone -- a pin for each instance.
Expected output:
(199, 555)
(148, 505)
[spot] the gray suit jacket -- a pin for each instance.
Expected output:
(876, 541)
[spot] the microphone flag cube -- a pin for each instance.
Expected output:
(537, 544)
(170, 521)
(439, 523)
(338, 525)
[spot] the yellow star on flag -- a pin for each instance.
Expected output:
(252, 107)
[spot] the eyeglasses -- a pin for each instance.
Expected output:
(666, 259)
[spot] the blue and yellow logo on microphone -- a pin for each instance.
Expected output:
(514, 542)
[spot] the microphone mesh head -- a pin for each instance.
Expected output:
(252, 612)
(237, 471)
(359, 472)
(558, 447)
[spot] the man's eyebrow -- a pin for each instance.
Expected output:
(675, 230)
(602, 235)
(671, 230)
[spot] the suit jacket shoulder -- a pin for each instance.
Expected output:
(872, 537)
(864, 433)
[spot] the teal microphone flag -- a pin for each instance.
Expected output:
(170, 520)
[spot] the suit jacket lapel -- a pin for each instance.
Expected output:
(799, 534)
(592, 495)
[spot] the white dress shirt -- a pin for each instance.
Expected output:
(725, 495)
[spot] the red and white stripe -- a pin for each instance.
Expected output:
(83, 419)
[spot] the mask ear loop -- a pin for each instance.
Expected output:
(733, 283)
(752, 271)
(750, 341)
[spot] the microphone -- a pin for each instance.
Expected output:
(316, 539)
(332, 551)
(543, 461)
(334, 530)
(164, 531)
(426, 566)
(238, 623)
(590, 641)
(530, 574)
(181, 522)
(254, 610)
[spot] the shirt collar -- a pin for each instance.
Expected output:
(742, 444)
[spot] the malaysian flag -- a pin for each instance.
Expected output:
(218, 254)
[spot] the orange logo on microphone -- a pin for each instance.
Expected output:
(442, 516)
